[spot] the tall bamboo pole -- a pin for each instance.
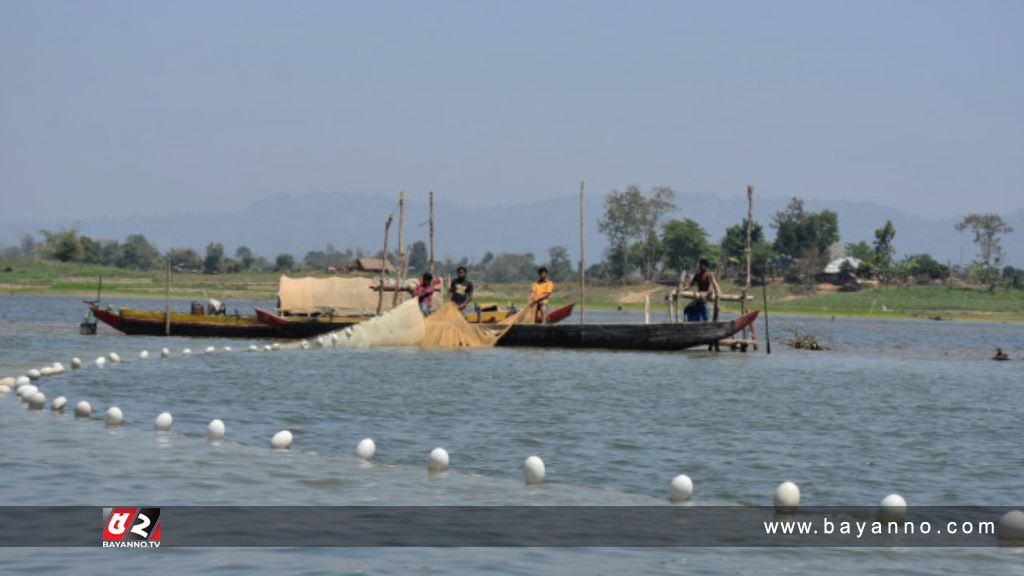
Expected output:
(750, 256)
(583, 269)
(167, 300)
(430, 268)
(383, 264)
(401, 246)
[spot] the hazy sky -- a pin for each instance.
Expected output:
(146, 107)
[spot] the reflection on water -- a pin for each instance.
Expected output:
(913, 407)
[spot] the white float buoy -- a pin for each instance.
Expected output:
(304, 345)
(58, 404)
(787, 498)
(34, 374)
(101, 362)
(282, 440)
(76, 363)
(210, 349)
(144, 354)
(83, 409)
(9, 381)
(5, 389)
(186, 351)
(165, 352)
(21, 381)
(37, 400)
(438, 460)
(226, 349)
(892, 508)
(275, 346)
(58, 368)
(366, 449)
(163, 422)
(267, 348)
(1011, 526)
(46, 372)
(215, 431)
(533, 470)
(253, 348)
(114, 416)
(113, 357)
(680, 489)
(25, 391)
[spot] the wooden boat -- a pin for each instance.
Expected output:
(151, 323)
(624, 336)
(307, 326)
(493, 315)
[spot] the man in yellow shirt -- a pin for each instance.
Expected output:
(540, 292)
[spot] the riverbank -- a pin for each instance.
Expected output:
(917, 302)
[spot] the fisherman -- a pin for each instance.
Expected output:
(539, 294)
(461, 290)
(707, 287)
(424, 292)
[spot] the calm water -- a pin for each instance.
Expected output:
(909, 407)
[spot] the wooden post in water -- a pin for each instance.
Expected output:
(383, 264)
(401, 247)
(583, 269)
(745, 309)
(167, 300)
(767, 338)
(647, 309)
(430, 268)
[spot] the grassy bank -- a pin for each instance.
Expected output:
(54, 278)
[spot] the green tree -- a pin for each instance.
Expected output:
(805, 235)
(92, 251)
(110, 251)
(284, 262)
(884, 249)
(62, 245)
(986, 228)
(861, 251)
(559, 263)
(213, 262)
(245, 257)
(418, 257)
(686, 242)
(138, 254)
(734, 244)
(629, 217)
(184, 259)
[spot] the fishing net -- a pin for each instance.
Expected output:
(335, 295)
(448, 328)
(401, 326)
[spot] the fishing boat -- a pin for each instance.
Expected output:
(307, 326)
(624, 336)
(152, 323)
(493, 314)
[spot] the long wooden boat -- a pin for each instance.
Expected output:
(150, 323)
(624, 336)
(307, 326)
(492, 316)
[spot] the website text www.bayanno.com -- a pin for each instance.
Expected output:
(862, 528)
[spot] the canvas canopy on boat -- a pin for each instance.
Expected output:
(307, 296)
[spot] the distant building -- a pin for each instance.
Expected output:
(835, 266)
(373, 265)
(833, 272)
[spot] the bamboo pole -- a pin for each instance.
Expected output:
(750, 255)
(167, 300)
(647, 309)
(401, 246)
(430, 268)
(583, 269)
(767, 338)
(383, 264)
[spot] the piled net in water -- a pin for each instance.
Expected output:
(448, 328)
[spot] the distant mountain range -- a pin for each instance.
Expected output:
(297, 223)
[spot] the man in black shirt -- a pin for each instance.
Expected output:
(461, 290)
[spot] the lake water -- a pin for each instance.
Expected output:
(912, 407)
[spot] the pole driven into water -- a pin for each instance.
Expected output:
(430, 268)
(764, 295)
(167, 300)
(401, 247)
(384, 263)
(583, 268)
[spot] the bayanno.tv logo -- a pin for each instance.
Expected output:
(131, 527)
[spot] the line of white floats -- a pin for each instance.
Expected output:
(786, 499)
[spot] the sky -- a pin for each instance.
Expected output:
(121, 108)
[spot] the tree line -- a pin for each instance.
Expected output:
(644, 244)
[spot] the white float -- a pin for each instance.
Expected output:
(253, 348)
(101, 362)
(282, 440)
(215, 431)
(37, 400)
(113, 357)
(76, 363)
(893, 508)
(275, 346)
(186, 351)
(366, 449)
(787, 498)
(304, 345)
(226, 349)
(163, 422)
(165, 353)
(114, 416)
(83, 409)
(1011, 526)
(58, 404)
(58, 368)
(533, 470)
(9, 381)
(144, 354)
(25, 391)
(34, 374)
(680, 489)
(438, 460)
(5, 389)
(267, 348)
(46, 372)
(210, 349)
(21, 381)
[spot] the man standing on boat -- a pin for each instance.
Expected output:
(424, 292)
(539, 294)
(461, 290)
(707, 287)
